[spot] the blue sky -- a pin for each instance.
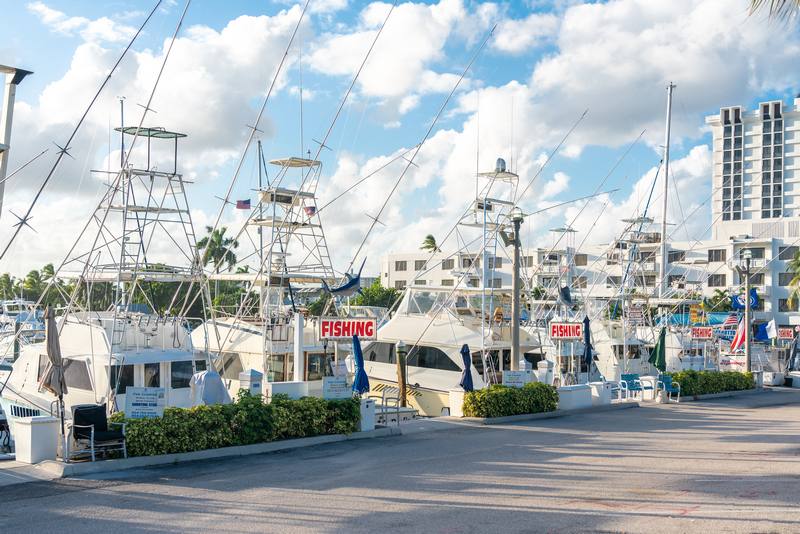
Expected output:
(546, 63)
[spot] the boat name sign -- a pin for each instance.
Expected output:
(344, 328)
(566, 330)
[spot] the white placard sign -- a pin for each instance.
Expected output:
(516, 379)
(144, 403)
(335, 387)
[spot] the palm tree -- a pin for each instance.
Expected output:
(429, 244)
(218, 251)
(794, 283)
(777, 9)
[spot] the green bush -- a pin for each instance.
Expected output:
(706, 382)
(248, 420)
(501, 401)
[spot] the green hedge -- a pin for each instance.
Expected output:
(246, 421)
(500, 401)
(706, 382)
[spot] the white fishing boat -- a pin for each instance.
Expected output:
(126, 343)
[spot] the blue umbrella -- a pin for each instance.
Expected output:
(361, 381)
(587, 343)
(466, 374)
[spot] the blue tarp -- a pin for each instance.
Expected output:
(361, 380)
(466, 374)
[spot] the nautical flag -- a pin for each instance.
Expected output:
(738, 339)
(731, 319)
(310, 210)
(772, 329)
(243, 204)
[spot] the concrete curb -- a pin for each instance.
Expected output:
(547, 415)
(61, 470)
(723, 395)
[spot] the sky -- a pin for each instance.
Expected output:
(544, 66)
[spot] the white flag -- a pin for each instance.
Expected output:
(772, 330)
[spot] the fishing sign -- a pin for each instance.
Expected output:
(346, 328)
(702, 332)
(566, 330)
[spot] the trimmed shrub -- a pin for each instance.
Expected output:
(706, 382)
(501, 401)
(248, 420)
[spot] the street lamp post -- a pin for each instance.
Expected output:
(516, 218)
(402, 370)
(747, 255)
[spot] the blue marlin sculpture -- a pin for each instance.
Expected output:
(348, 288)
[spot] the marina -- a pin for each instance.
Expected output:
(275, 252)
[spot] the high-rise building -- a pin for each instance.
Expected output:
(756, 176)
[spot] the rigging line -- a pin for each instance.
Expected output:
(77, 127)
(419, 146)
(680, 204)
(253, 129)
(365, 178)
(18, 169)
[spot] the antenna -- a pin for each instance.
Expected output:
(300, 69)
(121, 131)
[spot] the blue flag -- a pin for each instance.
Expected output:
(738, 302)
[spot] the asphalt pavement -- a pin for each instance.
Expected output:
(728, 465)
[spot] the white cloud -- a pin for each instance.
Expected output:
(518, 36)
(556, 186)
(101, 29)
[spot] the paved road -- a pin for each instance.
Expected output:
(722, 466)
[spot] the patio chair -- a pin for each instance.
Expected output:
(91, 433)
(666, 383)
(631, 383)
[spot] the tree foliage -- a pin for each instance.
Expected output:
(429, 244)
(377, 295)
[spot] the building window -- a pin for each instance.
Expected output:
(716, 255)
(581, 260)
(473, 282)
(400, 266)
(448, 265)
(419, 282)
(528, 261)
(784, 279)
(448, 282)
(757, 279)
(675, 279)
(716, 280)
(758, 253)
(493, 262)
(497, 283)
(466, 262)
(419, 265)
(787, 253)
(579, 282)
(783, 305)
(613, 281)
(676, 255)
(400, 284)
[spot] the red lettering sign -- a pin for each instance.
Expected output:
(344, 328)
(702, 332)
(785, 333)
(566, 330)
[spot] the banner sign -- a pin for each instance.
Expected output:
(732, 362)
(335, 387)
(144, 403)
(695, 314)
(785, 333)
(636, 315)
(344, 328)
(726, 334)
(702, 332)
(566, 330)
(516, 379)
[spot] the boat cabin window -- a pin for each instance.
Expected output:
(280, 367)
(431, 358)
(633, 352)
(534, 358)
(380, 352)
(152, 375)
(318, 365)
(76, 375)
(181, 372)
(231, 365)
(121, 378)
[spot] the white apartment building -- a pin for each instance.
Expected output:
(755, 206)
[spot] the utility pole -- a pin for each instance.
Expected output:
(747, 255)
(516, 218)
(402, 370)
(662, 286)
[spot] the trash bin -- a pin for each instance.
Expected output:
(367, 415)
(250, 381)
(601, 393)
(36, 438)
(544, 371)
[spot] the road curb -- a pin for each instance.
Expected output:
(547, 415)
(723, 395)
(62, 470)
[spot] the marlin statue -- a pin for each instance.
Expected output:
(350, 287)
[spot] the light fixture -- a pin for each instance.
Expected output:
(516, 214)
(747, 254)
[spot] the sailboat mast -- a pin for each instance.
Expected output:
(662, 286)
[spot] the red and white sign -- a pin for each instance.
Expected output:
(702, 332)
(785, 333)
(566, 330)
(343, 328)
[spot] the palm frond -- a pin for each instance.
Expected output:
(776, 9)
